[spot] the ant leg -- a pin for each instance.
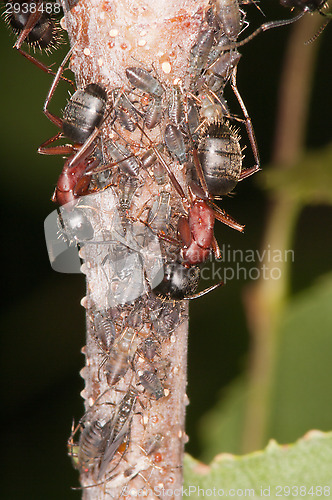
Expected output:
(204, 292)
(215, 248)
(53, 118)
(249, 127)
(31, 23)
(87, 147)
(197, 163)
(248, 172)
(55, 150)
(223, 217)
(172, 177)
(85, 150)
(43, 66)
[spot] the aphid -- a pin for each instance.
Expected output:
(104, 328)
(175, 106)
(120, 356)
(153, 444)
(220, 71)
(165, 317)
(174, 141)
(217, 48)
(127, 162)
(211, 110)
(160, 212)
(81, 122)
(159, 173)
(117, 430)
(151, 383)
(125, 111)
(149, 348)
(88, 451)
(193, 121)
(143, 80)
(153, 114)
(127, 187)
(200, 51)
(220, 155)
(36, 27)
(90, 446)
(150, 157)
(229, 14)
(135, 317)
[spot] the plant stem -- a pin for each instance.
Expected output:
(109, 37)
(265, 301)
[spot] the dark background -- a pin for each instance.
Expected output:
(42, 320)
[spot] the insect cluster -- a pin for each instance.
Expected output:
(163, 154)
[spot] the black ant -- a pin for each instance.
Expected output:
(35, 24)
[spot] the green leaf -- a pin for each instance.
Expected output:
(278, 471)
(221, 428)
(300, 399)
(309, 180)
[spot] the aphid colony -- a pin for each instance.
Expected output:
(181, 142)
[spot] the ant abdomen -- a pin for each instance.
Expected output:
(220, 155)
(84, 112)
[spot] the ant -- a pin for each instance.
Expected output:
(82, 119)
(81, 122)
(34, 23)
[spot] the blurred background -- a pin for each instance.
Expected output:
(43, 323)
